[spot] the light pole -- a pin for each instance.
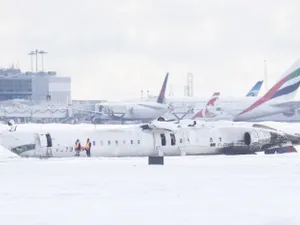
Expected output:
(42, 52)
(31, 59)
(36, 60)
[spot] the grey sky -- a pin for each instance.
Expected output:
(113, 49)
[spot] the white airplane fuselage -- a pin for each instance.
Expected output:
(111, 143)
(230, 109)
(132, 111)
(162, 139)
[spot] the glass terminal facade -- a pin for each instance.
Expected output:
(41, 86)
(15, 89)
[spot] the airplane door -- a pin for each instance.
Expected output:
(157, 144)
(166, 143)
(43, 140)
(45, 144)
(49, 140)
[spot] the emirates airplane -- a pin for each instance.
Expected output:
(184, 108)
(193, 101)
(278, 100)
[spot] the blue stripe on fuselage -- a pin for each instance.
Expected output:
(287, 90)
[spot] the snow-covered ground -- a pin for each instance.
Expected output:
(214, 190)
(6, 154)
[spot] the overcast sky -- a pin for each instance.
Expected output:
(113, 49)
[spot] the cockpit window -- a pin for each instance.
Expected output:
(23, 148)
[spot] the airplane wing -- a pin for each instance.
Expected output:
(295, 139)
(290, 104)
(263, 126)
(160, 126)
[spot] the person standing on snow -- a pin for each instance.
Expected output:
(88, 147)
(77, 148)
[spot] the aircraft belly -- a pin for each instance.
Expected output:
(261, 111)
(170, 151)
(126, 151)
(200, 150)
(236, 150)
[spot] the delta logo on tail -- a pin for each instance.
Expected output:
(277, 99)
(161, 98)
(160, 103)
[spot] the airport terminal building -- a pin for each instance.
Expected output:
(36, 87)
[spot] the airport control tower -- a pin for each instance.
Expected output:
(37, 86)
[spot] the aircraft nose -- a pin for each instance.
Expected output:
(23, 148)
(19, 143)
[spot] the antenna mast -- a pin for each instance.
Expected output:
(190, 85)
(142, 93)
(266, 76)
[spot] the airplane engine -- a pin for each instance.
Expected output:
(137, 110)
(245, 140)
(290, 113)
(268, 141)
(257, 138)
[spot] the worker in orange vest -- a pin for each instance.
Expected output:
(88, 146)
(77, 147)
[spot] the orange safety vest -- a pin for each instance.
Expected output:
(87, 146)
(77, 145)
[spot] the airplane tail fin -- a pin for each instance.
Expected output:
(255, 89)
(161, 97)
(284, 90)
(213, 99)
(203, 113)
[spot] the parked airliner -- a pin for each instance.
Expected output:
(133, 111)
(186, 137)
(277, 100)
(193, 101)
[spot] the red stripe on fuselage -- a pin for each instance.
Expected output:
(268, 95)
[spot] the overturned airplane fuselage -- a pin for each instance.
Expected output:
(155, 138)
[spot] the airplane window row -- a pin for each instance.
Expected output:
(116, 142)
(173, 140)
